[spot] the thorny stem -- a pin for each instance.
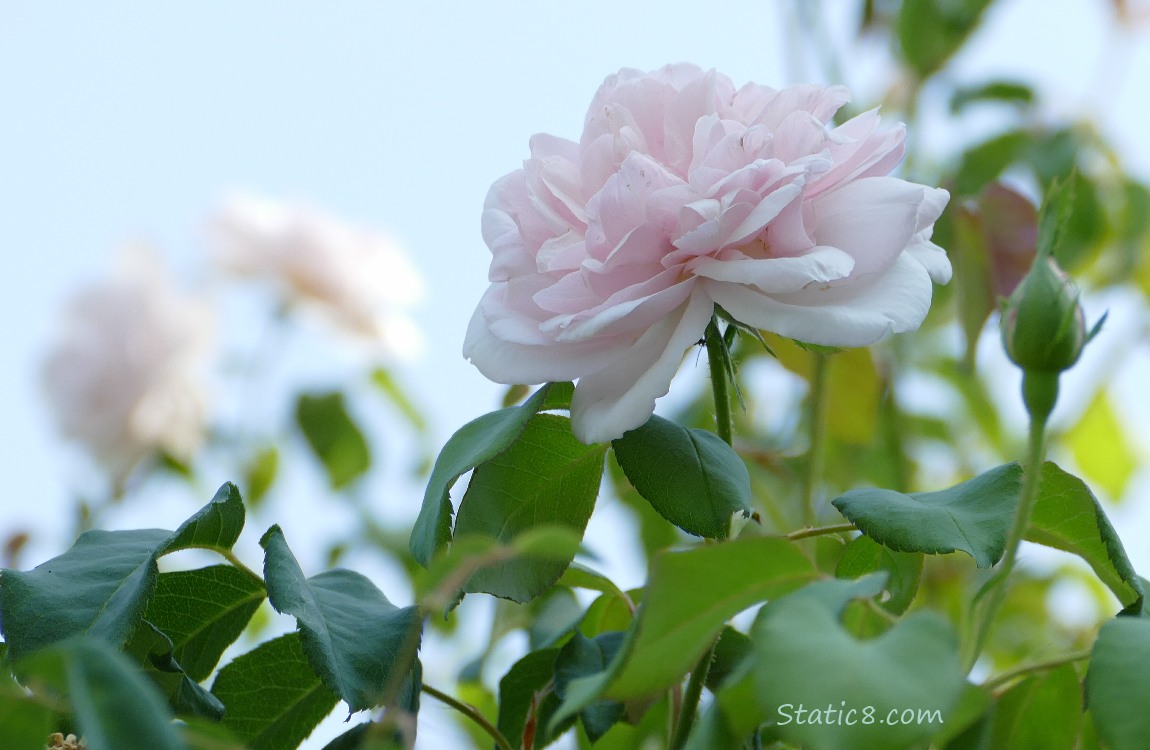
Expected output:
(1038, 666)
(716, 358)
(472, 713)
(995, 597)
(817, 419)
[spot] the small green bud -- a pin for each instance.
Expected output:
(1043, 327)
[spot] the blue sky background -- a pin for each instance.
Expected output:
(128, 120)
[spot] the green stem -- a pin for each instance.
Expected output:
(472, 713)
(1036, 456)
(716, 358)
(691, 699)
(1038, 666)
(806, 533)
(817, 420)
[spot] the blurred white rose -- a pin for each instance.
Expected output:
(359, 279)
(125, 378)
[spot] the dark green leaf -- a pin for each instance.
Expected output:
(102, 585)
(1068, 517)
(1118, 683)
(1040, 713)
(806, 659)
(730, 651)
(334, 437)
(904, 570)
(216, 526)
(477, 441)
(547, 477)
(974, 516)
(520, 691)
(690, 476)
(273, 698)
(98, 588)
(582, 657)
(353, 636)
(154, 651)
(203, 611)
(115, 706)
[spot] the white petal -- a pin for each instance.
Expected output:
(508, 362)
(621, 396)
(873, 219)
(855, 314)
(820, 266)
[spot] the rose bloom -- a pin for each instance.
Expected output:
(125, 376)
(359, 279)
(610, 254)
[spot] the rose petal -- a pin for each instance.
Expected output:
(857, 314)
(621, 396)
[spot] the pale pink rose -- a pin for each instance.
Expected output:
(610, 254)
(358, 278)
(126, 376)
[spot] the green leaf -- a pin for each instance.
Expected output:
(353, 636)
(27, 719)
(582, 657)
(1040, 713)
(931, 31)
(216, 526)
(731, 650)
(154, 651)
(690, 476)
(547, 477)
(525, 700)
(399, 398)
(1068, 517)
(334, 437)
(203, 611)
(1101, 448)
(1118, 683)
(986, 161)
(904, 570)
(260, 473)
(102, 585)
(974, 516)
(805, 659)
(273, 698)
(115, 706)
(476, 442)
(98, 588)
(689, 598)
(1007, 92)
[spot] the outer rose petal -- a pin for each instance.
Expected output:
(621, 396)
(853, 315)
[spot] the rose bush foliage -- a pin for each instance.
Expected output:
(610, 254)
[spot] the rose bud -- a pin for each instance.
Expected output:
(1043, 327)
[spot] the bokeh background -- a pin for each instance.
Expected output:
(129, 123)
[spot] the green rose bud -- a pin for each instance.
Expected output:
(1043, 328)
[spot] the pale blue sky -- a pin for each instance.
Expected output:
(124, 120)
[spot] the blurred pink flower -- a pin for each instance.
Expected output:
(359, 279)
(610, 254)
(125, 376)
